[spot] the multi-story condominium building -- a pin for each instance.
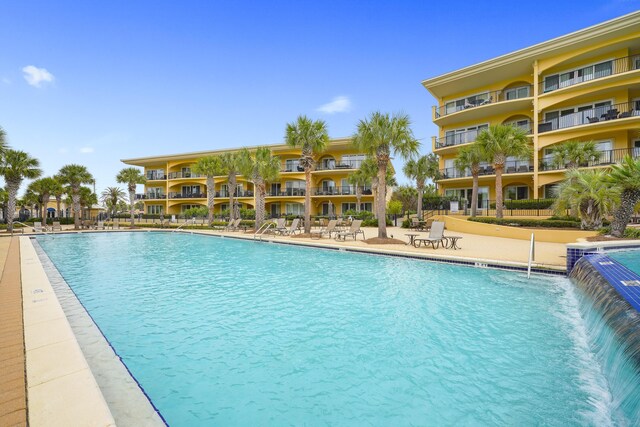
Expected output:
(582, 86)
(172, 188)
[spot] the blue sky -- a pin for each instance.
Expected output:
(95, 82)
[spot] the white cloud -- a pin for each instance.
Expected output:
(86, 150)
(63, 150)
(6, 81)
(339, 104)
(36, 76)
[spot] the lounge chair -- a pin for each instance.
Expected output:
(115, 225)
(280, 226)
(354, 230)
(292, 228)
(233, 225)
(37, 227)
(100, 225)
(436, 236)
(56, 226)
(329, 229)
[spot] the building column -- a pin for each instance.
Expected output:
(536, 160)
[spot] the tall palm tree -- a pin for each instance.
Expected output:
(589, 193)
(498, 142)
(625, 176)
(57, 190)
(574, 153)
(420, 170)
(3, 142)
(380, 136)
(369, 168)
(4, 198)
(210, 166)
(131, 177)
(74, 176)
(260, 167)
(43, 188)
(87, 199)
(358, 179)
(229, 162)
(110, 197)
(15, 167)
(312, 137)
(470, 157)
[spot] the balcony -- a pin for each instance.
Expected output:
(486, 98)
(187, 195)
(237, 194)
(291, 167)
(151, 196)
(156, 177)
(288, 192)
(599, 114)
(592, 72)
(464, 137)
(339, 165)
(182, 175)
(338, 191)
(606, 157)
(510, 167)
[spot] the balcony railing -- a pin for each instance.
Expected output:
(156, 177)
(339, 165)
(484, 98)
(178, 175)
(187, 195)
(466, 137)
(150, 196)
(291, 167)
(592, 72)
(337, 191)
(592, 115)
(237, 194)
(606, 157)
(288, 192)
(511, 166)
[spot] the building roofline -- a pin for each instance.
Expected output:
(538, 50)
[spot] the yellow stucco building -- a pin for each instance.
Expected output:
(172, 188)
(582, 86)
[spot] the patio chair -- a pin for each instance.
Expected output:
(56, 226)
(436, 236)
(115, 225)
(100, 225)
(292, 228)
(593, 119)
(329, 229)
(37, 227)
(281, 226)
(416, 224)
(233, 225)
(354, 230)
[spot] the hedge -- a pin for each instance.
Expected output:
(536, 223)
(527, 204)
(629, 232)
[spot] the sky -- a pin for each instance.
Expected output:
(94, 82)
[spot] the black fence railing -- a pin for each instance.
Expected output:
(487, 207)
(338, 164)
(593, 115)
(338, 191)
(606, 157)
(588, 73)
(511, 166)
(151, 196)
(287, 192)
(485, 98)
(155, 177)
(179, 175)
(187, 195)
(467, 137)
(247, 193)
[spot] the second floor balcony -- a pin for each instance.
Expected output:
(287, 192)
(151, 196)
(182, 175)
(247, 193)
(156, 176)
(604, 158)
(588, 115)
(338, 165)
(511, 166)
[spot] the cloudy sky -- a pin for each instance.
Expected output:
(95, 82)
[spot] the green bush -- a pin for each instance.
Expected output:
(527, 204)
(248, 213)
(629, 232)
(536, 223)
(372, 222)
(363, 215)
(406, 223)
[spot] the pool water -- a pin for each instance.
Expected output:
(229, 332)
(630, 259)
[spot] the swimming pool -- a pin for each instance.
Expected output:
(229, 332)
(630, 259)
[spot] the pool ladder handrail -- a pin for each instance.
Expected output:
(532, 254)
(263, 229)
(43, 231)
(185, 223)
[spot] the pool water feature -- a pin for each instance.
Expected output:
(231, 332)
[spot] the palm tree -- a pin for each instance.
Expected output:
(87, 199)
(380, 136)
(497, 143)
(470, 157)
(358, 179)
(131, 177)
(589, 193)
(421, 169)
(210, 166)
(57, 190)
(4, 198)
(43, 188)
(230, 167)
(3, 141)
(625, 176)
(260, 168)
(574, 153)
(313, 138)
(74, 176)
(110, 197)
(17, 166)
(369, 168)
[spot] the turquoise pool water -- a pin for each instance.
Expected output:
(228, 332)
(630, 259)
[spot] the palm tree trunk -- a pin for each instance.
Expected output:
(233, 208)
(12, 189)
(75, 198)
(45, 198)
(380, 205)
(499, 201)
(211, 194)
(419, 207)
(622, 215)
(260, 200)
(358, 197)
(58, 202)
(474, 195)
(374, 191)
(132, 196)
(307, 200)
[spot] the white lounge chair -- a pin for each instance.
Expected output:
(100, 225)
(353, 231)
(233, 225)
(37, 227)
(329, 229)
(292, 228)
(115, 225)
(56, 226)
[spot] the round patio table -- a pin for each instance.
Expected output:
(412, 238)
(453, 242)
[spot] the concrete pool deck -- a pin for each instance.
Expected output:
(46, 388)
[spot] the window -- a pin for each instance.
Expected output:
(578, 75)
(551, 191)
(575, 116)
(463, 135)
(190, 190)
(466, 194)
(155, 193)
(275, 209)
(294, 209)
(516, 192)
(328, 163)
(295, 188)
(516, 93)
(153, 174)
(187, 207)
(154, 209)
(186, 172)
(291, 165)
(352, 207)
(328, 187)
(524, 124)
(468, 102)
(352, 161)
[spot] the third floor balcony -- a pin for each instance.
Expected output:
(472, 102)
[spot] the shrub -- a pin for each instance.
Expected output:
(363, 215)
(406, 223)
(372, 222)
(629, 232)
(248, 213)
(536, 223)
(527, 204)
